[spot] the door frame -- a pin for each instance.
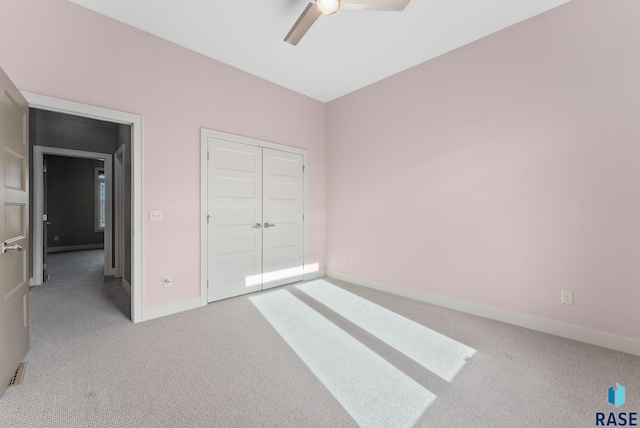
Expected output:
(38, 206)
(85, 110)
(205, 134)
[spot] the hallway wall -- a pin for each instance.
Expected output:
(71, 203)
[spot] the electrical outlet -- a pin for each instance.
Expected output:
(350, 260)
(56, 238)
(155, 215)
(166, 282)
(566, 297)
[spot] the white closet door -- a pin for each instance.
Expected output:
(235, 222)
(283, 208)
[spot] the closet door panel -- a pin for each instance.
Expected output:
(235, 218)
(283, 208)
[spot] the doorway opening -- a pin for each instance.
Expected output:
(75, 211)
(122, 205)
(72, 194)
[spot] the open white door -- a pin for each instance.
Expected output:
(14, 229)
(118, 191)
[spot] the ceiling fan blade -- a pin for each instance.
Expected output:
(394, 5)
(302, 25)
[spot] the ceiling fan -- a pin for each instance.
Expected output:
(327, 7)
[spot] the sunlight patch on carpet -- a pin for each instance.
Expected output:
(370, 389)
(434, 351)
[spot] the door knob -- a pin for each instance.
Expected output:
(267, 225)
(256, 226)
(6, 247)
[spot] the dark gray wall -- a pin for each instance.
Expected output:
(71, 201)
(65, 131)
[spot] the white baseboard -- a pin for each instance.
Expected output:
(126, 286)
(308, 276)
(169, 309)
(314, 275)
(568, 331)
(74, 248)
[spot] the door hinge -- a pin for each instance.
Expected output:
(208, 217)
(303, 167)
(207, 283)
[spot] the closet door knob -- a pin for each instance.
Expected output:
(267, 225)
(256, 226)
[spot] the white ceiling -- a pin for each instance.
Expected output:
(340, 53)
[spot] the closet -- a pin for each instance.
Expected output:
(255, 217)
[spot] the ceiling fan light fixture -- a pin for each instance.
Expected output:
(328, 6)
(314, 10)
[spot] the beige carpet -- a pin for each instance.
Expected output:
(226, 365)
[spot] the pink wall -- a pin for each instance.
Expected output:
(59, 49)
(502, 172)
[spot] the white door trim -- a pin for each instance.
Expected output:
(205, 134)
(85, 110)
(38, 206)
